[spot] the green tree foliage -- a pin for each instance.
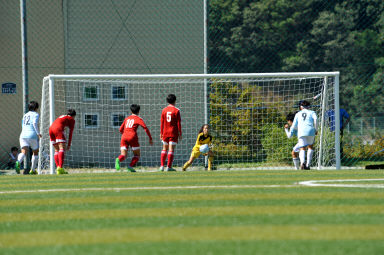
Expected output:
(312, 35)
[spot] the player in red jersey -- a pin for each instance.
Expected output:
(170, 132)
(129, 138)
(56, 134)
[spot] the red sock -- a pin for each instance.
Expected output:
(56, 157)
(121, 158)
(170, 158)
(61, 158)
(134, 160)
(163, 157)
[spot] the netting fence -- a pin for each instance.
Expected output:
(151, 37)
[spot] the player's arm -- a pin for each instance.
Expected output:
(178, 118)
(287, 131)
(161, 125)
(121, 129)
(314, 121)
(142, 123)
(35, 125)
(294, 126)
(71, 127)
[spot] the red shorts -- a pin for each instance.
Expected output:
(56, 137)
(170, 140)
(127, 142)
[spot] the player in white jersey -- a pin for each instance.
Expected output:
(306, 124)
(29, 137)
(295, 150)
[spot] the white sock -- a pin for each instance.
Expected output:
(20, 157)
(34, 162)
(296, 162)
(302, 156)
(309, 157)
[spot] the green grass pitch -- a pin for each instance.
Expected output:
(198, 212)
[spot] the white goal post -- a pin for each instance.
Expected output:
(246, 113)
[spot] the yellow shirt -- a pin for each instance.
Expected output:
(201, 139)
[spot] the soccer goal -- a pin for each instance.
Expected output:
(246, 114)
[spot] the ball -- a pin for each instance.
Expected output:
(204, 148)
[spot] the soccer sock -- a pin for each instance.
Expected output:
(134, 160)
(309, 157)
(34, 162)
(210, 160)
(186, 165)
(302, 156)
(170, 159)
(122, 158)
(21, 157)
(61, 158)
(296, 162)
(56, 157)
(163, 157)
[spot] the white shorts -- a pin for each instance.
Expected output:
(171, 143)
(29, 142)
(305, 141)
(296, 148)
(133, 148)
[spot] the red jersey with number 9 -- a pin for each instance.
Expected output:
(170, 123)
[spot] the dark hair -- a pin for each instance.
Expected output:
(304, 103)
(33, 106)
(14, 149)
(135, 108)
(202, 127)
(290, 116)
(71, 112)
(171, 99)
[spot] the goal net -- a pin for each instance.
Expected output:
(246, 114)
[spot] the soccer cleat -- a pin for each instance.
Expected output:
(183, 169)
(131, 169)
(60, 170)
(161, 169)
(17, 167)
(302, 167)
(117, 164)
(170, 169)
(307, 168)
(33, 172)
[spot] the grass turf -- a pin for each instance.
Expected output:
(219, 212)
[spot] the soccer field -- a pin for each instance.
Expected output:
(198, 212)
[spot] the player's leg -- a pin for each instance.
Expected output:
(295, 156)
(61, 157)
(124, 145)
(135, 158)
(303, 146)
(163, 155)
(24, 145)
(35, 156)
(171, 149)
(210, 160)
(195, 154)
(310, 151)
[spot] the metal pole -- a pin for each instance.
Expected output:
(24, 55)
(337, 122)
(24, 67)
(205, 69)
(323, 101)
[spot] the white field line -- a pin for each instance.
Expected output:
(150, 188)
(326, 183)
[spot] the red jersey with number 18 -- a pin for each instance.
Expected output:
(170, 123)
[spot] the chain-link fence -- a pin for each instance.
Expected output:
(144, 37)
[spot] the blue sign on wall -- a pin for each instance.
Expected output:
(8, 88)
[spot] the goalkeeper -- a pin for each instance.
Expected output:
(203, 138)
